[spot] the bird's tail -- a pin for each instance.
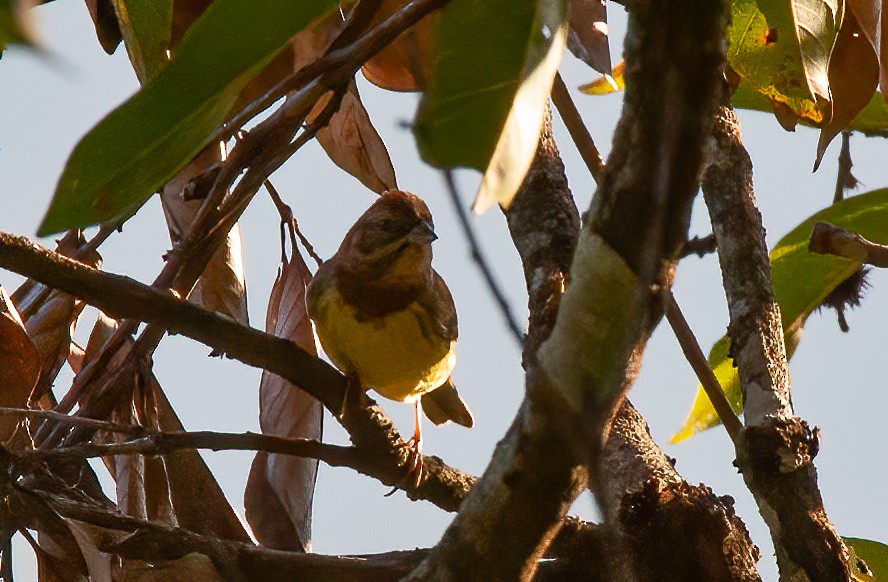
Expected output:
(443, 404)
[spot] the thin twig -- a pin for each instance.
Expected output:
(286, 214)
(481, 262)
(845, 180)
(700, 246)
(162, 443)
(828, 239)
(338, 60)
(697, 360)
(578, 131)
(83, 421)
(123, 298)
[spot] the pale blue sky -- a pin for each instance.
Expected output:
(46, 107)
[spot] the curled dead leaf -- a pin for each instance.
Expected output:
(405, 64)
(354, 145)
(20, 364)
(222, 287)
(853, 79)
(587, 37)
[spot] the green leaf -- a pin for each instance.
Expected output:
(146, 27)
(801, 282)
(875, 554)
(122, 161)
(495, 61)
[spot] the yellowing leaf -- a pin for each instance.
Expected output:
(875, 557)
(606, 84)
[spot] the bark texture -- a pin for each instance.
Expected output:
(638, 223)
(776, 449)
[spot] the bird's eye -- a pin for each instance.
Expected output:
(386, 224)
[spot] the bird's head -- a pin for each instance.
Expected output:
(396, 232)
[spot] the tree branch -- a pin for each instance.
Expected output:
(162, 443)
(537, 469)
(578, 131)
(828, 239)
(694, 354)
(124, 298)
(700, 246)
(776, 449)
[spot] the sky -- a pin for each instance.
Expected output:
(46, 105)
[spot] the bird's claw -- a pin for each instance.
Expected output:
(414, 466)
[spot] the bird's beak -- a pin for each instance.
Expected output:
(423, 233)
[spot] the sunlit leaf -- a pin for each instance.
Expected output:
(801, 282)
(764, 50)
(146, 26)
(875, 556)
(122, 161)
(280, 488)
(488, 115)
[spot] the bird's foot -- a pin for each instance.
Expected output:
(413, 466)
(414, 462)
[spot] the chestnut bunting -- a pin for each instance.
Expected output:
(383, 315)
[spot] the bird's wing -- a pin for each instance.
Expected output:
(443, 404)
(438, 303)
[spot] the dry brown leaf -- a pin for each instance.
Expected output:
(222, 286)
(868, 14)
(97, 562)
(354, 145)
(883, 52)
(198, 501)
(105, 21)
(279, 481)
(853, 78)
(349, 138)
(50, 315)
(19, 364)
(406, 63)
(177, 488)
(55, 537)
(587, 37)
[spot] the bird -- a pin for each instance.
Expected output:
(384, 316)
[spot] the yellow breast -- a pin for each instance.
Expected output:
(399, 356)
